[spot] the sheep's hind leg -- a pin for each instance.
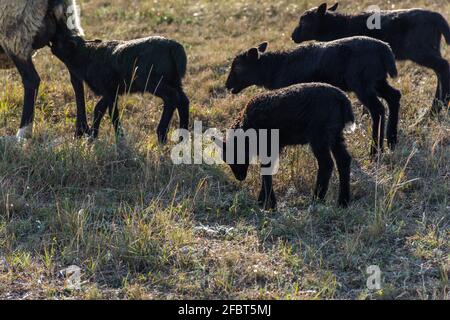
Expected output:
(183, 110)
(115, 118)
(171, 99)
(442, 69)
(343, 163)
(31, 82)
(392, 97)
(325, 162)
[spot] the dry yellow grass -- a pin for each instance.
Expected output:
(143, 228)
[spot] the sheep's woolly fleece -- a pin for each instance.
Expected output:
(20, 21)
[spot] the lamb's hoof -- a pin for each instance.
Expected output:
(392, 143)
(81, 133)
(344, 203)
(268, 205)
(162, 139)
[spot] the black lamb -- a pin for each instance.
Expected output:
(314, 114)
(357, 64)
(413, 34)
(112, 68)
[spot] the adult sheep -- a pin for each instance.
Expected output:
(29, 25)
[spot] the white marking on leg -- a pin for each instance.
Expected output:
(25, 133)
(350, 127)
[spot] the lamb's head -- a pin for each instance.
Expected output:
(238, 167)
(67, 14)
(245, 69)
(311, 24)
(65, 46)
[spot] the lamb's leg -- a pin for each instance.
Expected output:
(163, 127)
(343, 163)
(442, 69)
(115, 118)
(325, 162)
(392, 97)
(376, 109)
(31, 81)
(183, 110)
(99, 112)
(171, 99)
(438, 95)
(267, 199)
(82, 126)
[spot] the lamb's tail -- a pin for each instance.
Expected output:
(180, 58)
(388, 58)
(347, 114)
(443, 27)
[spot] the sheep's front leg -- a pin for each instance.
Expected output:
(99, 112)
(31, 81)
(376, 108)
(392, 97)
(267, 199)
(82, 126)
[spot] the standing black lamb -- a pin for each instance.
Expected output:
(358, 64)
(112, 68)
(314, 114)
(413, 34)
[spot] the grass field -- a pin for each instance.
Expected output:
(139, 227)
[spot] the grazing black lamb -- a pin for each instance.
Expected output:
(112, 68)
(413, 34)
(314, 114)
(358, 64)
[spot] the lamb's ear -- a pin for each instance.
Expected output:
(253, 54)
(322, 9)
(263, 47)
(334, 8)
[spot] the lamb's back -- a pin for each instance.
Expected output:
(292, 107)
